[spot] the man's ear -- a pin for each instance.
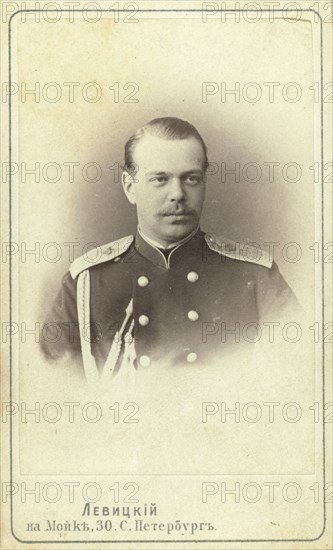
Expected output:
(128, 185)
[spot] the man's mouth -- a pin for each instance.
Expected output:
(178, 217)
(180, 213)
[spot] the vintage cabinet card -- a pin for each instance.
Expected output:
(166, 262)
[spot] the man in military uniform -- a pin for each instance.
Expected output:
(171, 295)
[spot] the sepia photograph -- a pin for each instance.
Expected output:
(166, 256)
(105, 314)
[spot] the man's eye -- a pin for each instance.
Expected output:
(159, 180)
(193, 180)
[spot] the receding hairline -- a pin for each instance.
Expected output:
(148, 135)
(136, 161)
(166, 129)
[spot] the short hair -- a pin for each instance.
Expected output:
(167, 128)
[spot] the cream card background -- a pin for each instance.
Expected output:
(163, 60)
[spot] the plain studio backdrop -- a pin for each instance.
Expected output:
(153, 68)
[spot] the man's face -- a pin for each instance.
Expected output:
(168, 187)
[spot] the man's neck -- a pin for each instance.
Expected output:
(168, 246)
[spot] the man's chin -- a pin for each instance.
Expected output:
(177, 231)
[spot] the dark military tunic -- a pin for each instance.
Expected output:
(189, 304)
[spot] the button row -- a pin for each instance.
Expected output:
(192, 277)
(144, 319)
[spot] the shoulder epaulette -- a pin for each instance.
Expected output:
(104, 253)
(238, 251)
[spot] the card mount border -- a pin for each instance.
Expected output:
(147, 541)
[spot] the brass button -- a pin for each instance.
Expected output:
(143, 320)
(143, 281)
(193, 315)
(192, 276)
(144, 361)
(191, 357)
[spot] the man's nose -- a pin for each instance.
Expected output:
(176, 190)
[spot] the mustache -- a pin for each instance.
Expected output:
(182, 211)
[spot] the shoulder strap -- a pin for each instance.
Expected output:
(252, 253)
(101, 254)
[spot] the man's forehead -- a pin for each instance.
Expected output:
(155, 150)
